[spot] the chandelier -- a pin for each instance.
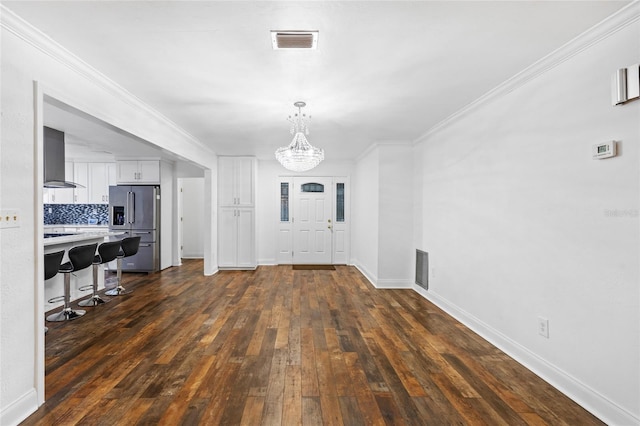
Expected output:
(299, 156)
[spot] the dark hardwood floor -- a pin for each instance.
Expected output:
(281, 347)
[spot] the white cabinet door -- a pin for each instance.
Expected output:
(246, 257)
(98, 185)
(127, 171)
(245, 170)
(112, 178)
(63, 195)
(236, 238)
(80, 176)
(227, 237)
(236, 181)
(226, 181)
(149, 171)
(139, 172)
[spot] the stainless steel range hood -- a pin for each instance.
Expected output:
(53, 151)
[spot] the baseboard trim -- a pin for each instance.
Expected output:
(368, 275)
(390, 284)
(588, 398)
(19, 409)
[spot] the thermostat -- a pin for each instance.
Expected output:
(604, 150)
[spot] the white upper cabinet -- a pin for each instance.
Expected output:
(101, 176)
(236, 181)
(80, 176)
(61, 195)
(138, 172)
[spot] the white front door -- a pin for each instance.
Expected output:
(312, 226)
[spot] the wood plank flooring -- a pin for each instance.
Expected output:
(281, 347)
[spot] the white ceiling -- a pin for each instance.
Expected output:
(384, 71)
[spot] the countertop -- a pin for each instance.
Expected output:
(81, 237)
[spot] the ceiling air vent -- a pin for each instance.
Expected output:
(294, 39)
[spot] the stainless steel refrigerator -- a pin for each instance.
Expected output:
(136, 210)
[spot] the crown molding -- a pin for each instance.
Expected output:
(376, 145)
(610, 25)
(22, 29)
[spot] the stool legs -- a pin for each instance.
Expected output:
(66, 314)
(95, 299)
(119, 290)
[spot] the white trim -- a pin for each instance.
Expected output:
(268, 262)
(20, 409)
(373, 279)
(391, 283)
(375, 145)
(588, 398)
(38, 226)
(610, 25)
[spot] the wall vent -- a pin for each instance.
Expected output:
(422, 269)
(294, 39)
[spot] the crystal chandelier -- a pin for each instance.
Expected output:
(299, 156)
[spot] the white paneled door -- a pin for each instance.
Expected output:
(312, 221)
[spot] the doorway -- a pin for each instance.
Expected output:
(313, 226)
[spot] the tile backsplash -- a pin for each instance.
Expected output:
(76, 214)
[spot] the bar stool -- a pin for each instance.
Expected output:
(52, 263)
(129, 246)
(80, 257)
(106, 253)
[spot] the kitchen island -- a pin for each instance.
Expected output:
(65, 241)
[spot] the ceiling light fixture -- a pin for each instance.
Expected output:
(299, 156)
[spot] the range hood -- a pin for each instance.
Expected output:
(54, 160)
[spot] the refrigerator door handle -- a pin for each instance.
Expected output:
(131, 206)
(137, 232)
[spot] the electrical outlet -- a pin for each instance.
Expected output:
(9, 218)
(543, 327)
(433, 272)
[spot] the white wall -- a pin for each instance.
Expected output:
(193, 218)
(267, 207)
(520, 222)
(396, 251)
(365, 214)
(383, 222)
(27, 56)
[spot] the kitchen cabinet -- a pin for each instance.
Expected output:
(101, 175)
(236, 213)
(236, 242)
(236, 181)
(61, 195)
(138, 172)
(80, 195)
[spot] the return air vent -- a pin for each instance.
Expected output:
(294, 39)
(422, 269)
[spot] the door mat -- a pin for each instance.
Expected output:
(314, 268)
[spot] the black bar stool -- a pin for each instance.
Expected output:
(129, 246)
(80, 257)
(106, 253)
(52, 263)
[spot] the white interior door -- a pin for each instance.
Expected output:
(312, 225)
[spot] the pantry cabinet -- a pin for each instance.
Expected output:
(236, 181)
(236, 213)
(237, 247)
